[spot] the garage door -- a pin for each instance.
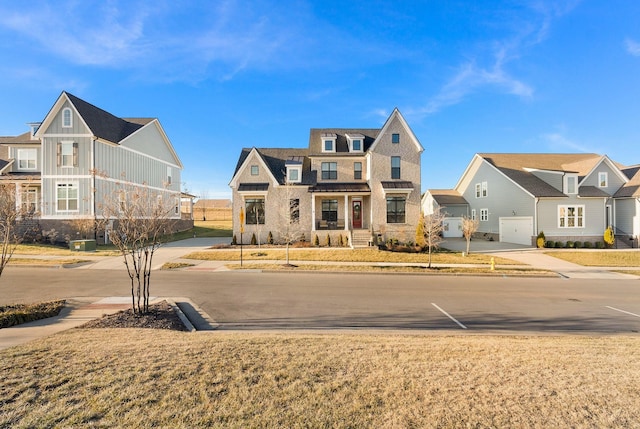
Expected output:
(516, 230)
(452, 227)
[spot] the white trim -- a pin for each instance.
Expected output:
(146, 155)
(482, 160)
(396, 114)
(72, 183)
(124, 182)
(333, 144)
(565, 183)
(484, 212)
(566, 217)
(18, 158)
(164, 136)
(62, 116)
(68, 136)
(606, 179)
(247, 162)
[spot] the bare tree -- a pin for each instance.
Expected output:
(469, 227)
(203, 198)
(432, 231)
(138, 219)
(13, 228)
(289, 229)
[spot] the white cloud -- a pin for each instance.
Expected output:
(558, 142)
(633, 47)
(471, 76)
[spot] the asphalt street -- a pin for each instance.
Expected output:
(275, 301)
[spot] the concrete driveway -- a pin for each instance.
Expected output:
(481, 246)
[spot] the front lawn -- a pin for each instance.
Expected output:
(606, 258)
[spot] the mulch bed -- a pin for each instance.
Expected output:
(160, 316)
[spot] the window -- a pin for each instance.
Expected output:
(27, 159)
(254, 170)
(329, 171)
(357, 170)
(571, 216)
(330, 210)
(294, 211)
(254, 209)
(395, 167)
(396, 209)
(571, 184)
(356, 145)
(168, 175)
(603, 179)
(328, 145)
(67, 197)
(294, 174)
(484, 215)
(473, 214)
(67, 118)
(395, 138)
(482, 190)
(67, 154)
(30, 200)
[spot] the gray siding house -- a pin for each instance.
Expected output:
(569, 197)
(356, 183)
(66, 166)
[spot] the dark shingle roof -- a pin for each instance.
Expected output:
(103, 124)
(342, 146)
(631, 189)
(341, 187)
(276, 160)
(447, 197)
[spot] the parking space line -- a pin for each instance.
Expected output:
(448, 315)
(622, 311)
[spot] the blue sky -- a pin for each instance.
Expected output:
(469, 76)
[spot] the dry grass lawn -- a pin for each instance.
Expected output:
(609, 258)
(141, 378)
(344, 255)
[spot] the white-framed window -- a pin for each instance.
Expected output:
(482, 190)
(294, 174)
(473, 214)
(255, 170)
(67, 197)
(355, 141)
(67, 154)
(603, 179)
(328, 144)
(169, 174)
(571, 216)
(571, 184)
(484, 215)
(67, 118)
(27, 159)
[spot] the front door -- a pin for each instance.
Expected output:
(356, 214)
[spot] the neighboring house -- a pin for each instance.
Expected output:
(569, 197)
(71, 162)
(451, 204)
(358, 183)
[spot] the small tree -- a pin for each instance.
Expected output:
(289, 229)
(140, 219)
(540, 240)
(609, 237)
(12, 231)
(420, 231)
(469, 227)
(432, 231)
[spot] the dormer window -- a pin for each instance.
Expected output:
(355, 142)
(33, 127)
(294, 169)
(571, 184)
(67, 118)
(329, 142)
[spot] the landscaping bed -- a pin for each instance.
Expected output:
(16, 314)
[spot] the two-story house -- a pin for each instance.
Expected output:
(569, 197)
(66, 166)
(355, 182)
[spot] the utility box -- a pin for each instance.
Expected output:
(82, 245)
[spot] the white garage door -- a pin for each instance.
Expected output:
(452, 227)
(516, 230)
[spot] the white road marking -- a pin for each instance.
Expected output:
(448, 315)
(622, 311)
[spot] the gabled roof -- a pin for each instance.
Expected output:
(276, 160)
(101, 123)
(447, 197)
(631, 189)
(342, 146)
(519, 166)
(397, 115)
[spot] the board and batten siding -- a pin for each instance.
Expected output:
(50, 192)
(118, 163)
(149, 140)
(614, 182)
(504, 198)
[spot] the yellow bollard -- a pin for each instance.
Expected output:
(493, 264)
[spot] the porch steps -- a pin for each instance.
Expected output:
(360, 238)
(623, 242)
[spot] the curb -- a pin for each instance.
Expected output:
(187, 323)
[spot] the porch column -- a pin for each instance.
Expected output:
(313, 212)
(346, 212)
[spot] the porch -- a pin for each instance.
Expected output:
(341, 207)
